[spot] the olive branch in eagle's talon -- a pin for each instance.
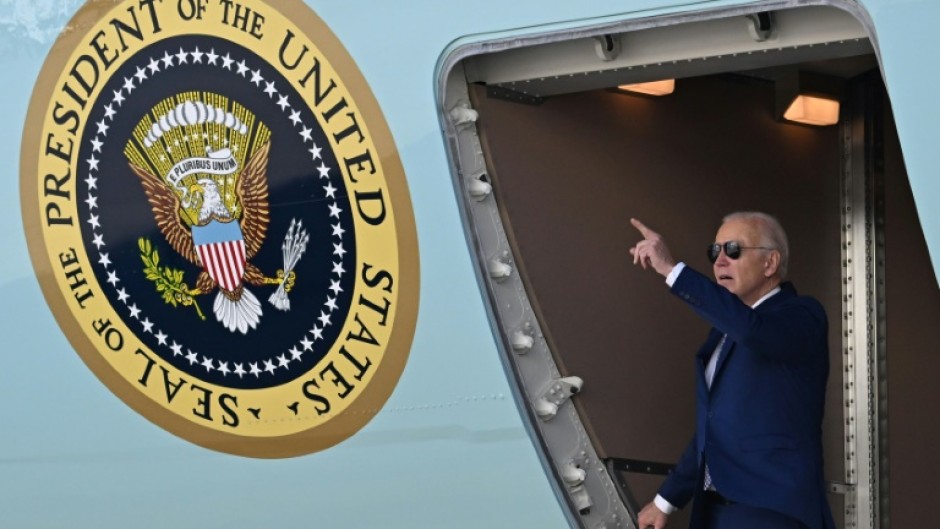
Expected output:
(169, 282)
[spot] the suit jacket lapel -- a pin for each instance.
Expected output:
(705, 352)
(723, 355)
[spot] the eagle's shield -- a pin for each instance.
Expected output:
(221, 249)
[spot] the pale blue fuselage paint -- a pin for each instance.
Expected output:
(449, 448)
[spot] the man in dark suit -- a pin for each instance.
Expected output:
(755, 461)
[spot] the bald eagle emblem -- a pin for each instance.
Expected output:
(202, 161)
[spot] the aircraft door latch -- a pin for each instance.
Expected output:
(557, 393)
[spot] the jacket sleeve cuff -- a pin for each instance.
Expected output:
(674, 274)
(664, 505)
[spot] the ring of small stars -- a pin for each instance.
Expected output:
(270, 365)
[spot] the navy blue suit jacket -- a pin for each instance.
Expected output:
(759, 427)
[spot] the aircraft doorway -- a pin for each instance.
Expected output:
(549, 187)
(570, 173)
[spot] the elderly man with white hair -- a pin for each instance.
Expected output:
(755, 461)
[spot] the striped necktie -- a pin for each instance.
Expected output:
(709, 376)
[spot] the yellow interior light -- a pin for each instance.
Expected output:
(653, 88)
(812, 110)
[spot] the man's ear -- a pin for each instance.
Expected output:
(772, 263)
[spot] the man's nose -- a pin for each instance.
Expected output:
(723, 258)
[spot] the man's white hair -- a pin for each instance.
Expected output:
(771, 234)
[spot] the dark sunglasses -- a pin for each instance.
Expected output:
(732, 250)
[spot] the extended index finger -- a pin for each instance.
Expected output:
(646, 232)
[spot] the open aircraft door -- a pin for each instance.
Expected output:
(549, 163)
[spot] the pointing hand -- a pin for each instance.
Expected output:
(651, 251)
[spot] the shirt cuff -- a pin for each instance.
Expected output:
(664, 505)
(674, 274)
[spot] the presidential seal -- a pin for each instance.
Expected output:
(220, 222)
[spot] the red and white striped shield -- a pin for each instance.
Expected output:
(221, 249)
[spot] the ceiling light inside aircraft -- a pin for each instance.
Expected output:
(653, 88)
(809, 98)
(812, 110)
